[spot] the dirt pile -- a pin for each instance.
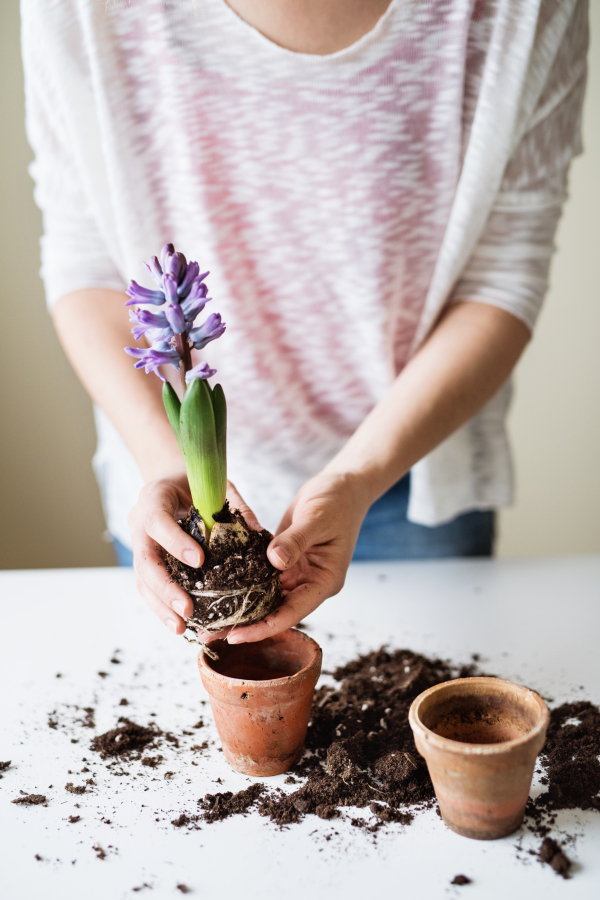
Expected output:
(362, 753)
(127, 740)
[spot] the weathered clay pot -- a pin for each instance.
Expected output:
(480, 738)
(261, 695)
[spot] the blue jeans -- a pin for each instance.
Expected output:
(386, 533)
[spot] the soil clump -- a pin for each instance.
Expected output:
(570, 759)
(460, 879)
(551, 853)
(127, 740)
(221, 806)
(30, 799)
(230, 564)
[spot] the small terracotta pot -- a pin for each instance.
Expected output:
(261, 696)
(480, 738)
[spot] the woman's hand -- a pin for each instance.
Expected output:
(154, 529)
(312, 548)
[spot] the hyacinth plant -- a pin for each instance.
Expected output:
(199, 422)
(236, 584)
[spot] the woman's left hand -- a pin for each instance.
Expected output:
(312, 548)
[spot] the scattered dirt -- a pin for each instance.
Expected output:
(4, 766)
(362, 752)
(184, 889)
(551, 853)
(30, 799)
(570, 757)
(221, 806)
(126, 740)
(74, 788)
(100, 853)
(73, 819)
(88, 721)
(230, 565)
(152, 761)
(461, 879)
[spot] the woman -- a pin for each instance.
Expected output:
(375, 187)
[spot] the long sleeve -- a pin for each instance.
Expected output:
(509, 267)
(73, 251)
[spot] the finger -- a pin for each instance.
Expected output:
(159, 524)
(299, 603)
(151, 570)
(207, 636)
(174, 622)
(286, 548)
(236, 501)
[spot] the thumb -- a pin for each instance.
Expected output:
(286, 548)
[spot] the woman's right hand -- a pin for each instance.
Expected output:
(154, 529)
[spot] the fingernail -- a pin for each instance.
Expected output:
(281, 555)
(233, 639)
(191, 557)
(172, 624)
(179, 607)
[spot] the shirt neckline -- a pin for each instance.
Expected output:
(249, 32)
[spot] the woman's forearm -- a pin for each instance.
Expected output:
(93, 327)
(466, 359)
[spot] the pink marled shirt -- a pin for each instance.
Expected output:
(338, 201)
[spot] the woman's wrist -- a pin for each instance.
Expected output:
(361, 483)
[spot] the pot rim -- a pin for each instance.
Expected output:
(287, 679)
(463, 748)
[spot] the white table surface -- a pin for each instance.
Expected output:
(532, 621)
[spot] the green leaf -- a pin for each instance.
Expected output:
(220, 410)
(173, 408)
(200, 451)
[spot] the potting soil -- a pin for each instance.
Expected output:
(360, 753)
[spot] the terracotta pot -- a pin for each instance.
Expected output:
(261, 696)
(480, 738)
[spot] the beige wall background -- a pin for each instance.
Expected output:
(50, 513)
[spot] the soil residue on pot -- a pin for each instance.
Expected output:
(232, 563)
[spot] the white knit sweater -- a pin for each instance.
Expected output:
(339, 201)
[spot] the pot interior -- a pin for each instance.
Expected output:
(481, 716)
(276, 657)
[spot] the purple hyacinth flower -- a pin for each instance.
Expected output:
(191, 275)
(167, 251)
(209, 331)
(145, 321)
(170, 288)
(175, 317)
(160, 354)
(139, 294)
(155, 270)
(175, 266)
(202, 370)
(192, 310)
